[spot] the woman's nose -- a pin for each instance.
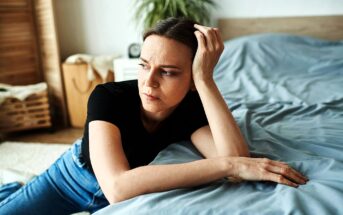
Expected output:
(151, 79)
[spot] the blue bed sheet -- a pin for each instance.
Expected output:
(286, 94)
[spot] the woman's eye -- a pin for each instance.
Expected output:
(143, 66)
(166, 73)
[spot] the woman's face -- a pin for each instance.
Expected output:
(165, 75)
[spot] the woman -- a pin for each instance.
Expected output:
(129, 122)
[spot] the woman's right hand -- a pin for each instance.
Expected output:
(263, 169)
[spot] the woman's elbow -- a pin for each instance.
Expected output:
(120, 191)
(243, 153)
(116, 194)
(113, 192)
(114, 198)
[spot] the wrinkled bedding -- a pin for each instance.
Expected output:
(286, 94)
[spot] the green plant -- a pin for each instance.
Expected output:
(148, 12)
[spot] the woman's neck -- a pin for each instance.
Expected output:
(150, 124)
(152, 121)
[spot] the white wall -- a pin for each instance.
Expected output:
(270, 8)
(106, 26)
(95, 26)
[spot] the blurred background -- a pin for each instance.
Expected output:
(73, 45)
(107, 26)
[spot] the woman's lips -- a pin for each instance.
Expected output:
(150, 97)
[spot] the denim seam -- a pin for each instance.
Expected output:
(16, 193)
(57, 190)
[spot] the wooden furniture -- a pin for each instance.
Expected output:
(78, 88)
(19, 54)
(29, 50)
(324, 27)
(31, 113)
(49, 56)
(126, 68)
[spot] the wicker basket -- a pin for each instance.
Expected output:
(33, 112)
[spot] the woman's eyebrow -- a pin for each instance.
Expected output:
(143, 60)
(162, 66)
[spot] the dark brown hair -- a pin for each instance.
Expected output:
(179, 29)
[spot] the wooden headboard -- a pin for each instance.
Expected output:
(324, 27)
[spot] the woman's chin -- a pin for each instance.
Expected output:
(152, 108)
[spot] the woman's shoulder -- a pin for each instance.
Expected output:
(116, 88)
(112, 96)
(120, 87)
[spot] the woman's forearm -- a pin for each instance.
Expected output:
(226, 134)
(157, 178)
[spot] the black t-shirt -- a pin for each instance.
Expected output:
(119, 103)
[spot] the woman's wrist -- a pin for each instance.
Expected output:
(202, 75)
(203, 82)
(227, 166)
(231, 174)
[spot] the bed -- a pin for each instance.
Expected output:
(284, 86)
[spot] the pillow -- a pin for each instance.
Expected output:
(281, 68)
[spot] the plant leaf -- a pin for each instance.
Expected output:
(148, 12)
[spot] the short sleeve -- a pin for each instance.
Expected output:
(104, 105)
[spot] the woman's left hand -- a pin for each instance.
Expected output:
(210, 47)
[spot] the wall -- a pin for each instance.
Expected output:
(270, 8)
(95, 27)
(106, 26)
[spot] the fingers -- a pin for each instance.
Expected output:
(287, 172)
(207, 54)
(281, 180)
(257, 169)
(201, 39)
(219, 37)
(282, 173)
(297, 174)
(212, 37)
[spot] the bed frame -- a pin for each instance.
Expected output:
(324, 27)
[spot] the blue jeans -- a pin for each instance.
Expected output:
(66, 187)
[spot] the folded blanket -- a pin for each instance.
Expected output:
(96, 64)
(20, 92)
